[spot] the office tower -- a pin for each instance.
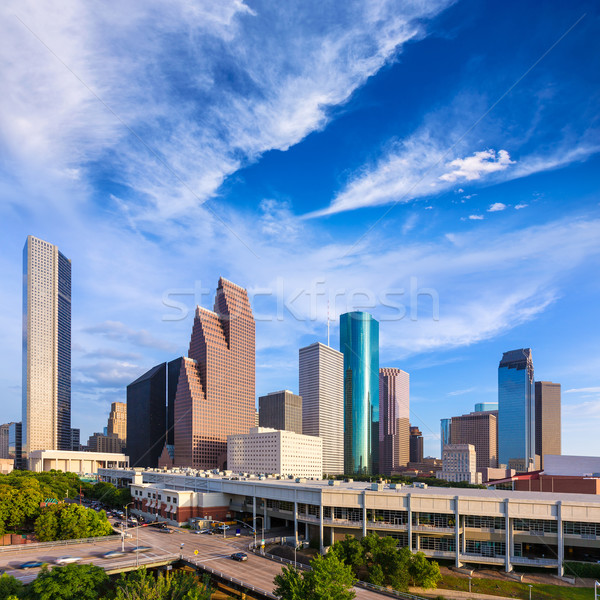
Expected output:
(416, 445)
(547, 419)
(75, 439)
(117, 421)
(359, 343)
(459, 464)
(173, 369)
(516, 410)
(150, 398)
(15, 444)
(4, 432)
(280, 410)
(445, 432)
(479, 429)
(321, 385)
(46, 347)
(215, 395)
(147, 417)
(394, 425)
(486, 406)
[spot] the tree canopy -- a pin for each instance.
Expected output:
(379, 561)
(70, 521)
(143, 585)
(80, 582)
(328, 579)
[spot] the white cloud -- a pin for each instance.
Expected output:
(496, 207)
(588, 390)
(461, 392)
(480, 163)
(476, 217)
(169, 129)
(520, 206)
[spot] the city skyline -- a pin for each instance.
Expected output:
(387, 151)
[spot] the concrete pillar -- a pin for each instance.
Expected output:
(265, 522)
(560, 539)
(507, 537)
(254, 509)
(417, 542)
(409, 527)
(364, 513)
(321, 544)
(457, 532)
(296, 521)
(463, 547)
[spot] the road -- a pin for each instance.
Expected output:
(212, 551)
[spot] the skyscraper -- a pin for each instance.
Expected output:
(215, 394)
(321, 385)
(416, 445)
(394, 425)
(547, 419)
(445, 429)
(280, 410)
(147, 417)
(516, 410)
(117, 420)
(359, 343)
(479, 429)
(46, 347)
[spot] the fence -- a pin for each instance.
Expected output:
(33, 546)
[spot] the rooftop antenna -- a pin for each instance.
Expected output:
(328, 322)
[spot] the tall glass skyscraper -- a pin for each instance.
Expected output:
(46, 423)
(359, 343)
(445, 425)
(516, 409)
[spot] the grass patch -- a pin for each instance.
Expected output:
(514, 589)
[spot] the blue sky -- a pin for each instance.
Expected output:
(311, 151)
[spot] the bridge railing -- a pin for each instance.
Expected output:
(34, 545)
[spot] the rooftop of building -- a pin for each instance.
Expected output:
(360, 486)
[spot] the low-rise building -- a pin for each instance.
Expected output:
(272, 451)
(508, 529)
(82, 463)
(459, 463)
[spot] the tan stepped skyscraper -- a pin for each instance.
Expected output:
(117, 420)
(46, 348)
(321, 385)
(480, 429)
(394, 425)
(547, 419)
(215, 394)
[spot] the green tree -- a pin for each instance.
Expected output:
(350, 551)
(328, 579)
(142, 585)
(70, 521)
(423, 573)
(80, 582)
(10, 587)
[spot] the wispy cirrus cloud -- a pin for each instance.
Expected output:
(475, 166)
(252, 79)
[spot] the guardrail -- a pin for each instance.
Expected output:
(34, 545)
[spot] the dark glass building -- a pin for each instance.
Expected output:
(359, 343)
(516, 410)
(416, 445)
(15, 444)
(281, 410)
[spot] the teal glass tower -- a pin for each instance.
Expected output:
(359, 343)
(516, 410)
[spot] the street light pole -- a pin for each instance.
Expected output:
(469, 585)
(530, 586)
(596, 585)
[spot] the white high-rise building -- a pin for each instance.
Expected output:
(46, 348)
(459, 463)
(267, 451)
(321, 386)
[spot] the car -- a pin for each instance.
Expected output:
(141, 548)
(31, 564)
(167, 530)
(113, 554)
(221, 527)
(239, 556)
(67, 560)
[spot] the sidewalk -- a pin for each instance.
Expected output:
(455, 594)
